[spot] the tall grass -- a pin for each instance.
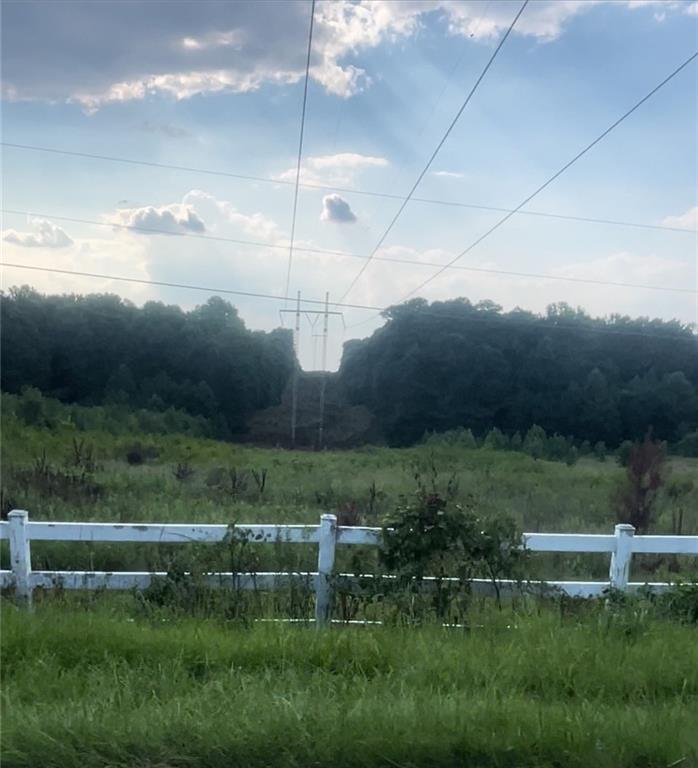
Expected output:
(539, 495)
(101, 689)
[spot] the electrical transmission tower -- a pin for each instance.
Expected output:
(312, 316)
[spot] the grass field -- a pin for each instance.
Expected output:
(102, 688)
(366, 484)
(128, 681)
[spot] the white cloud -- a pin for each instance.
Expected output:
(692, 9)
(235, 48)
(390, 282)
(45, 235)
(117, 256)
(336, 209)
(339, 169)
(218, 213)
(687, 220)
(448, 174)
(233, 38)
(176, 218)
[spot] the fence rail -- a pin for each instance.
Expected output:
(621, 546)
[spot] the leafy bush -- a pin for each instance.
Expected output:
(496, 440)
(427, 536)
(33, 409)
(534, 442)
(688, 445)
(623, 453)
(460, 437)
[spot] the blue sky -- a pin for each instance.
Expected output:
(218, 85)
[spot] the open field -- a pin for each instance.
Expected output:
(217, 485)
(179, 677)
(543, 688)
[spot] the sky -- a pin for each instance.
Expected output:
(218, 87)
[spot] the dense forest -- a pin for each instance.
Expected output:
(454, 364)
(431, 367)
(100, 349)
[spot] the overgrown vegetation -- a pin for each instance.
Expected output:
(182, 674)
(645, 474)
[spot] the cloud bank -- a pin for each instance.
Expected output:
(77, 51)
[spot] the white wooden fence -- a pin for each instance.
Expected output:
(621, 545)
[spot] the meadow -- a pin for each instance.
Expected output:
(178, 678)
(60, 473)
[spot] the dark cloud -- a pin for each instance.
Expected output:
(336, 209)
(98, 50)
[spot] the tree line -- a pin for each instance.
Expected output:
(445, 365)
(101, 349)
(431, 368)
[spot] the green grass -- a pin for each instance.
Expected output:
(126, 681)
(519, 689)
(539, 495)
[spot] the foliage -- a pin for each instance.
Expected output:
(451, 364)
(100, 349)
(71, 484)
(536, 443)
(623, 453)
(33, 409)
(428, 537)
(688, 445)
(636, 496)
(538, 494)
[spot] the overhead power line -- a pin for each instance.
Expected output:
(342, 254)
(300, 148)
(321, 302)
(345, 190)
(556, 175)
(436, 151)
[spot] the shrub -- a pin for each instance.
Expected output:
(688, 445)
(534, 442)
(496, 440)
(600, 450)
(623, 453)
(636, 496)
(183, 471)
(461, 437)
(427, 536)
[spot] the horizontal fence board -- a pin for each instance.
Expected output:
(665, 545)
(569, 542)
(359, 535)
(91, 580)
(169, 533)
(143, 579)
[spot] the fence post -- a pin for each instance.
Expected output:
(620, 558)
(20, 555)
(325, 566)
